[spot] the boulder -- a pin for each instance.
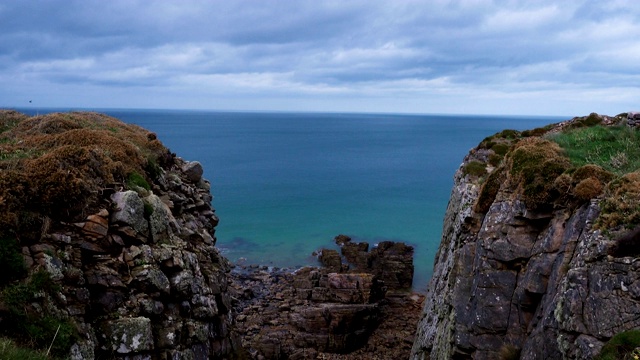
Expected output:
(129, 211)
(193, 171)
(128, 335)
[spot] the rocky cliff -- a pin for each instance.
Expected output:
(107, 243)
(532, 264)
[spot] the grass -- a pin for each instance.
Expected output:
(475, 168)
(614, 148)
(34, 327)
(622, 346)
(10, 350)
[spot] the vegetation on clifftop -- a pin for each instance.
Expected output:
(57, 164)
(565, 164)
(58, 167)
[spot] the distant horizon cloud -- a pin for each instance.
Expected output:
(439, 56)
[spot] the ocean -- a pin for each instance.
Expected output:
(285, 184)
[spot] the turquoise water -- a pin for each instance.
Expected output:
(285, 184)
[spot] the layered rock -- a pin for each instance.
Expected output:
(510, 281)
(332, 312)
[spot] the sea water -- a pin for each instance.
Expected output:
(285, 184)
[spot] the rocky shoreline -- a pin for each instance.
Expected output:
(333, 311)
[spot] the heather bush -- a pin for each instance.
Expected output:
(533, 165)
(588, 188)
(57, 164)
(621, 203)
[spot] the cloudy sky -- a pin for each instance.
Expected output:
(542, 57)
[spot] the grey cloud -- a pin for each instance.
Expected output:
(335, 46)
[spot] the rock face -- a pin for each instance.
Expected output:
(536, 284)
(153, 285)
(138, 279)
(331, 312)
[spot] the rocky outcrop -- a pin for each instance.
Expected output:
(332, 312)
(139, 276)
(512, 282)
(142, 277)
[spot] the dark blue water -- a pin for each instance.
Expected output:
(285, 184)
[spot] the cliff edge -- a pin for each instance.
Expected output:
(537, 258)
(107, 244)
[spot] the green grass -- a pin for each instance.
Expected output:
(40, 330)
(614, 148)
(475, 168)
(136, 180)
(10, 350)
(621, 347)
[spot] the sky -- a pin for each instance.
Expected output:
(564, 58)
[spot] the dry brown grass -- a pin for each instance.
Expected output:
(621, 204)
(56, 164)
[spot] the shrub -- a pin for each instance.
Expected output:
(621, 203)
(535, 132)
(495, 159)
(534, 164)
(563, 185)
(500, 149)
(621, 346)
(588, 188)
(508, 134)
(475, 168)
(56, 164)
(592, 171)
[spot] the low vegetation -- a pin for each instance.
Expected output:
(533, 165)
(623, 346)
(27, 325)
(614, 148)
(10, 350)
(56, 165)
(566, 165)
